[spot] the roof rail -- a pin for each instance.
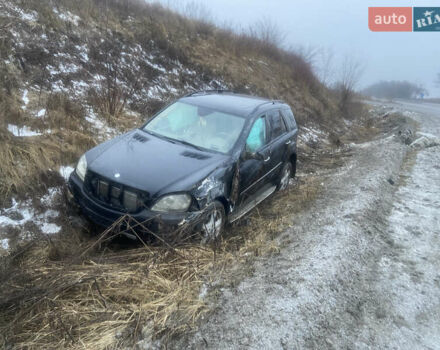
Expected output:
(277, 101)
(266, 103)
(206, 92)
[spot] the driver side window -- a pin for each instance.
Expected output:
(257, 135)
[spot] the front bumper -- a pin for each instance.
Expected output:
(105, 216)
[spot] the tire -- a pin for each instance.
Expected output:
(286, 174)
(212, 227)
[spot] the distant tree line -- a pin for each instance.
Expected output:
(394, 89)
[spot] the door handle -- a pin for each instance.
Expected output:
(289, 142)
(267, 159)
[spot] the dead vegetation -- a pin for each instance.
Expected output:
(68, 292)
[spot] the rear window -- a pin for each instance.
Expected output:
(277, 124)
(289, 118)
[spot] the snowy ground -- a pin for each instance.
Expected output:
(359, 269)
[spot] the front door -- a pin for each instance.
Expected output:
(252, 167)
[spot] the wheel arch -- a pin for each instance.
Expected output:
(225, 202)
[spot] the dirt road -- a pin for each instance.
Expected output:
(358, 270)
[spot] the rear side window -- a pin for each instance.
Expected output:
(277, 124)
(257, 136)
(289, 118)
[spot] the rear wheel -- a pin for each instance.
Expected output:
(285, 176)
(213, 225)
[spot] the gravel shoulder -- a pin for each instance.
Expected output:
(357, 270)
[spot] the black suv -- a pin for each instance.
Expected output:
(208, 158)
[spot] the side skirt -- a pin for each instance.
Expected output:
(251, 204)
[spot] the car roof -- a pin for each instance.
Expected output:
(229, 102)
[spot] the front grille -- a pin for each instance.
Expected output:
(115, 195)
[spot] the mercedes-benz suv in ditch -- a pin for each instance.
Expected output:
(205, 160)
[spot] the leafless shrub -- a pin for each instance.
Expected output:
(267, 32)
(116, 81)
(350, 73)
(324, 64)
(308, 53)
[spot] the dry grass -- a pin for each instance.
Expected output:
(22, 161)
(66, 294)
(26, 163)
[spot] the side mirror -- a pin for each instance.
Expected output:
(247, 154)
(258, 156)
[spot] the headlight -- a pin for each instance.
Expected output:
(174, 202)
(81, 167)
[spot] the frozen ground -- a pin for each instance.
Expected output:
(358, 270)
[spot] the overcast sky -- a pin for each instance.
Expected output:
(343, 26)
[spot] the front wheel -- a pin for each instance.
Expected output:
(213, 224)
(285, 176)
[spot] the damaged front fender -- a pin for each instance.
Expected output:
(216, 186)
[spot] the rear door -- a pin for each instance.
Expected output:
(278, 143)
(291, 125)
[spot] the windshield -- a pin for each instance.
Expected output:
(199, 126)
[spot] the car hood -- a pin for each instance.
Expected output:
(152, 164)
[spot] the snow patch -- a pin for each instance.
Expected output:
(26, 213)
(65, 171)
(23, 131)
(83, 52)
(67, 16)
(50, 228)
(48, 199)
(99, 125)
(25, 99)
(425, 142)
(29, 17)
(311, 135)
(203, 291)
(4, 243)
(41, 113)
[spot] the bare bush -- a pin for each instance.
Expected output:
(309, 53)
(116, 81)
(325, 66)
(268, 32)
(349, 76)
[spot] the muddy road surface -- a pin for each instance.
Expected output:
(360, 269)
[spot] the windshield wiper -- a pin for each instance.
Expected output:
(163, 137)
(190, 144)
(170, 139)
